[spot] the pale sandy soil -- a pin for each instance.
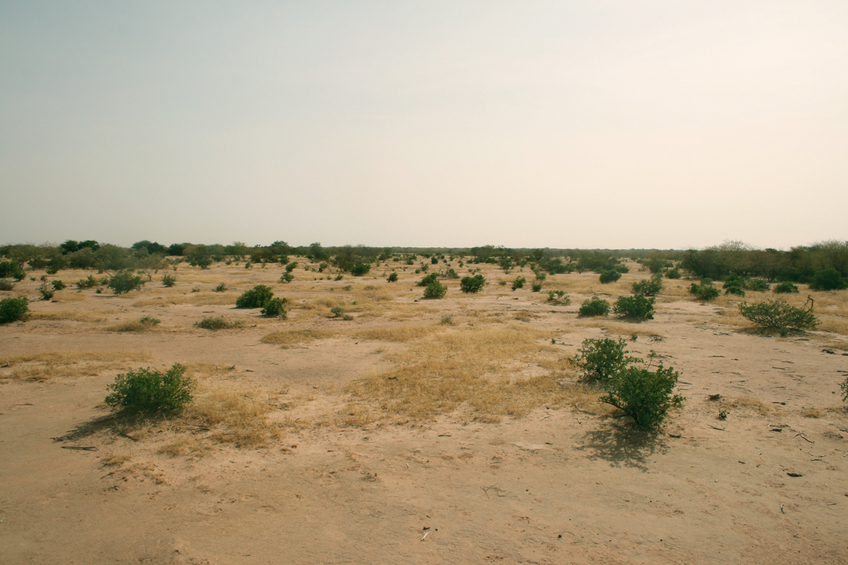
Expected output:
(573, 484)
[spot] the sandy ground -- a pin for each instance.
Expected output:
(768, 484)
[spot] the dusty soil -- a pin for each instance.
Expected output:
(569, 484)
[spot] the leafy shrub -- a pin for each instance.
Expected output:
(559, 297)
(844, 387)
(758, 285)
(673, 274)
(704, 291)
(256, 297)
(392, 277)
(779, 315)
(13, 309)
(636, 307)
(642, 394)
(610, 276)
(734, 284)
(737, 290)
(220, 323)
(594, 306)
(89, 282)
(428, 280)
(600, 359)
(537, 286)
(124, 281)
(435, 290)
(275, 308)
(11, 269)
(828, 279)
(473, 284)
(360, 269)
(221, 288)
(648, 287)
(337, 311)
(6, 284)
(169, 280)
(518, 283)
(291, 266)
(149, 321)
(150, 391)
(451, 274)
(46, 293)
(786, 288)
(287, 278)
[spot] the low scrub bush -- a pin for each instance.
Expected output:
(393, 277)
(275, 308)
(429, 279)
(642, 394)
(594, 306)
(287, 277)
(610, 276)
(758, 285)
(169, 280)
(58, 285)
(219, 323)
(46, 292)
(518, 283)
(13, 309)
(470, 285)
(648, 287)
(89, 282)
(360, 269)
(291, 266)
(828, 279)
(221, 288)
(600, 359)
(704, 291)
(6, 284)
(673, 274)
(149, 391)
(256, 297)
(779, 315)
(537, 286)
(124, 281)
(786, 288)
(435, 290)
(559, 297)
(11, 269)
(636, 307)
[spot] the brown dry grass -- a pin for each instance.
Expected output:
(195, 298)
(71, 315)
(745, 403)
(44, 366)
(289, 338)
(230, 416)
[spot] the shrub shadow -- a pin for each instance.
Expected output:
(119, 423)
(623, 446)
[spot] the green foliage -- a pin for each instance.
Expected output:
(559, 297)
(13, 309)
(287, 278)
(58, 285)
(219, 323)
(673, 274)
(291, 266)
(600, 359)
(221, 288)
(844, 387)
(471, 285)
(758, 285)
(649, 287)
(435, 290)
(828, 279)
(594, 306)
(779, 315)
(46, 292)
(610, 276)
(11, 269)
(428, 280)
(149, 321)
(275, 308)
(537, 286)
(257, 297)
(642, 394)
(636, 307)
(451, 274)
(360, 269)
(393, 277)
(704, 291)
(169, 280)
(786, 288)
(6, 284)
(124, 281)
(518, 283)
(337, 311)
(149, 391)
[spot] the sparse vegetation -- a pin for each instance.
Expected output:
(58, 285)
(778, 315)
(649, 287)
(221, 288)
(393, 277)
(169, 280)
(13, 309)
(471, 285)
(256, 297)
(275, 308)
(124, 281)
(644, 395)
(45, 291)
(220, 323)
(594, 306)
(600, 359)
(149, 391)
(559, 297)
(786, 287)
(636, 307)
(518, 283)
(435, 290)
(704, 291)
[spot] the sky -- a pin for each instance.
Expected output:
(609, 124)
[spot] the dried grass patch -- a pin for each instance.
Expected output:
(747, 404)
(44, 366)
(231, 416)
(289, 338)
(195, 298)
(400, 334)
(71, 315)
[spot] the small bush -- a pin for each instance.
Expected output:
(428, 280)
(169, 280)
(46, 293)
(594, 307)
(13, 309)
(149, 391)
(786, 288)
(600, 359)
(275, 308)
(471, 285)
(221, 288)
(844, 387)
(779, 315)
(451, 274)
(124, 281)
(287, 278)
(291, 266)
(758, 285)
(435, 290)
(149, 321)
(704, 291)
(360, 269)
(11, 269)
(58, 285)
(636, 307)
(89, 282)
(6, 284)
(338, 277)
(392, 277)
(518, 283)
(218, 324)
(337, 311)
(610, 276)
(537, 286)
(828, 279)
(559, 297)
(648, 287)
(256, 297)
(673, 274)
(642, 394)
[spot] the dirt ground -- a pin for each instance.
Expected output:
(322, 473)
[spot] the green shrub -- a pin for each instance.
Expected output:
(537, 286)
(339, 312)
(221, 288)
(275, 308)
(828, 279)
(648, 287)
(169, 280)
(220, 323)
(428, 280)
(393, 277)
(636, 307)
(786, 288)
(600, 359)
(256, 297)
(779, 315)
(291, 266)
(89, 282)
(287, 278)
(518, 283)
(844, 387)
(46, 293)
(704, 291)
(642, 394)
(6, 284)
(559, 297)
(594, 306)
(610, 276)
(13, 309)
(149, 321)
(58, 285)
(758, 285)
(11, 269)
(451, 274)
(673, 274)
(149, 391)
(737, 290)
(435, 290)
(360, 269)
(470, 285)
(124, 281)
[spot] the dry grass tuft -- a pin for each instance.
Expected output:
(195, 298)
(746, 403)
(44, 366)
(115, 459)
(289, 338)
(403, 333)
(71, 315)
(232, 417)
(185, 444)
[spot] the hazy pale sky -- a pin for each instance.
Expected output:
(612, 124)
